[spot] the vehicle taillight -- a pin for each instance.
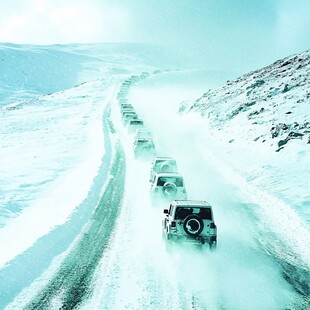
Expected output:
(212, 225)
(173, 224)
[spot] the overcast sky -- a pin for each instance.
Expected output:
(221, 34)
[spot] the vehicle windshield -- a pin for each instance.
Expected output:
(182, 212)
(136, 123)
(130, 116)
(145, 142)
(144, 134)
(168, 162)
(178, 181)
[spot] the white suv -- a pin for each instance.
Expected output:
(144, 149)
(163, 164)
(135, 124)
(127, 117)
(190, 220)
(143, 133)
(167, 186)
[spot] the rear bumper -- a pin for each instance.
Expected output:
(160, 196)
(201, 239)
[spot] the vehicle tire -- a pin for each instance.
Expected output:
(163, 234)
(193, 225)
(213, 245)
(169, 189)
(168, 243)
(165, 168)
(164, 224)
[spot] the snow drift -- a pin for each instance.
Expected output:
(262, 122)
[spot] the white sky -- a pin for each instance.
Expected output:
(221, 34)
(59, 21)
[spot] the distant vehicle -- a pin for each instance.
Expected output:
(126, 106)
(121, 94)
(190, 220)
(143, 134)
(127, 111)
(162, 164)
(128, 117)
(167, 186)
(126, 83)
(144, 149)
(135, 124)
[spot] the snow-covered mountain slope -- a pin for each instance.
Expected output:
(51, 143)
(78, 230)
(261, 121)
(55, 148)
(28, 70)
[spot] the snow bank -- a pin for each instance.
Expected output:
(262, 122)
(51, 107)
(51, 150)
(28, 70)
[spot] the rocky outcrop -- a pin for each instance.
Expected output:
(272, 102)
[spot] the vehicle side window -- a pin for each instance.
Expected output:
(161, 182)
(179, 182)
(181, 213)
(205, 214)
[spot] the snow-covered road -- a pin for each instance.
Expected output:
(64, 204)
(256, 265)
(121, 262)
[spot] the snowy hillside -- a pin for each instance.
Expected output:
(48, 118)
(261, 121)
(77, 225)
(29, 70)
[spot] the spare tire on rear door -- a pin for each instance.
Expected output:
(193, 225)
(165, 167)
(169, 189)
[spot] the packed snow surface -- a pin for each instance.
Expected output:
(262, 121)
(52, 145)
(61, 149)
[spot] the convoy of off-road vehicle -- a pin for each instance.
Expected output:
(185, 220)
(144, 148)
(190, 220)
(167, 186)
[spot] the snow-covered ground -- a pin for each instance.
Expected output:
(44, 137)
(244, 212)
(52, 141)
(29, 70)
(262, 122)
(60, 155)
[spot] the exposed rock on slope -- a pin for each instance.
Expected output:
(272, 105)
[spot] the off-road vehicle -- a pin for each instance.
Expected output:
(144, 149)
(190, 220)
(135, 124)
(167, 186)
(162, 164)
(128, 117)
(143, 134)
(127, 111)
(126, 106)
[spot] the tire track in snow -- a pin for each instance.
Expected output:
(72, 280)
(136, 272)
(287, 278)
(23, 270)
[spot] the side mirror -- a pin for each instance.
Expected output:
(166, 211)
